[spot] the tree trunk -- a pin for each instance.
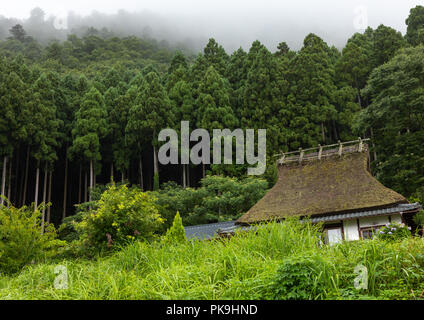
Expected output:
(111, 172)
(43, 217)
(184, 176)
(203, 170)
(16, 198)
(65, 187)
(37, 180)
(155, 170)
(373, 144)
(140, 168)
(155, 161)
(122, 176)
(3, 180)
(80, 184)
(359, 98)
(336, 135)
(9, 186)
(26, 178)
(85, 187)
(20, 186)
(322, 132)
(91, 180)
(49, 196)
(188, 175)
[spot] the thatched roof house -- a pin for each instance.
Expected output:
(332, 184)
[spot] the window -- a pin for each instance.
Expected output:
(368, 232)
(334, 234)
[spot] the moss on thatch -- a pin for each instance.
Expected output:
(331, 185)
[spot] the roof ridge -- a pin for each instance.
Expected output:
(319, 152)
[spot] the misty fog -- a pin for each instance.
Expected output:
(231, 23)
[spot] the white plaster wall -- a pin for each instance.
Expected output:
(373, 221)
(350, 228)
(396, 218)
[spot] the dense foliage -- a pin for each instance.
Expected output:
(393, 231)
(218, 198)
(88, 110)
(80, 114)
(21, 239)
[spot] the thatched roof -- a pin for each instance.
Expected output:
(330, 185)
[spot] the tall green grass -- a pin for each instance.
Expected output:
(242, 267)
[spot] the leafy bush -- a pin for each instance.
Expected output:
(299, 278)
(68, 229)
(21, 240)
(394, 231)
(176, 234)
(173, 197)
(122, 215)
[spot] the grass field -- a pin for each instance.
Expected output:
(247, 266)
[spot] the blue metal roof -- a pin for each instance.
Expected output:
(206, 231)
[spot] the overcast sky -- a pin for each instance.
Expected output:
(236, 23)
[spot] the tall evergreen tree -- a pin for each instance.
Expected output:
(213, 104)
(149, 115)
(237, 77)
(264, 96)
(18, 33)
(216, 56)
(311, 102)
(90, 127)
(354, 67)
(43, 129)
(134, 136)
(13, 104)
(74, 88)
(397, 115)
(415, 22)
(387, 41)
(118, 103)
(180, 93)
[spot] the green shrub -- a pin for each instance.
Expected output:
(176, 234)
(68, 229)
(21, 240)
(299, 278)
(122, 215)
(393, 232)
